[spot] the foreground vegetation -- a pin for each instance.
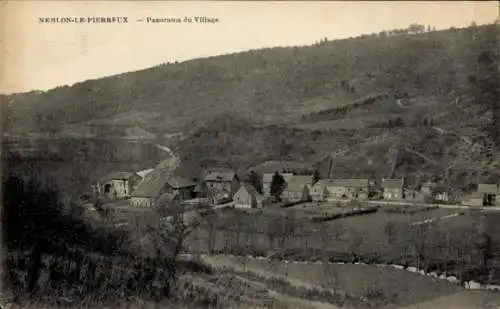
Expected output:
(467, 250)
(54, 254)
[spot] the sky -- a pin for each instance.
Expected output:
(41, 56)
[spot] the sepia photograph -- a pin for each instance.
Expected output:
(250, 154)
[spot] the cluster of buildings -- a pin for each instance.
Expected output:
(214, 186)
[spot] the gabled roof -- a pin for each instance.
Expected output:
(177, 182)
(268, 177)
(220, 175)
(143, 173)
(392, 183)
(488, 188)
(297, 183)
(351, 183)
(154, 182)
(252, 191)
(117, 176)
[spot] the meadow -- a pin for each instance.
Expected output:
(464, 249)
(378, 287)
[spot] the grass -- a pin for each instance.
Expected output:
(381, 237)
(395, 287)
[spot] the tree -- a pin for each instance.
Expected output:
(168, 240)
(277, 186)
(356, 240)
(485, 85)
(254, 180)
(338, 231)
(390, 231)
(36, 219)
(287, 226)
(316, 177)
(416, 28)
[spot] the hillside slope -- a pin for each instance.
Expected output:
(423, 104)
(265, 85)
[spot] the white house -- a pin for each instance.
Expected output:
(318, 191)
(247, 197)
(297, 189)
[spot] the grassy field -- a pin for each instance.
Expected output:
(256, 229)
(393, 287)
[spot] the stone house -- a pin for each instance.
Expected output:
(347, 189)
(222, 184)
(182, 186)
(117, 185)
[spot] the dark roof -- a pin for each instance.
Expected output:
(180, 182)
(117, 175)
(351, 183)
(201, 187)
(220, 175)
(154, 182)
(392, 183)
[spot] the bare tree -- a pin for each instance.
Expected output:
(324, 237)
(168, 239)
(287, 228)
(390, 231)
(338, 231)
(356, 240)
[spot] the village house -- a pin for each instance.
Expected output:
(427, 188)
(318, 191)
(297, 189)
(182, 186)
(248, 197)
(490, 193)
(267, 179)
(475, 199)
(348, 189)
(154, 183)
(222, 184)
(413, 193)
(441, 193)
(392, 189)
(117, 185)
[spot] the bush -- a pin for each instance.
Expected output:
(51, 252)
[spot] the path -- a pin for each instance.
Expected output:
(292, 302)
(223, 262)
(435, 219)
